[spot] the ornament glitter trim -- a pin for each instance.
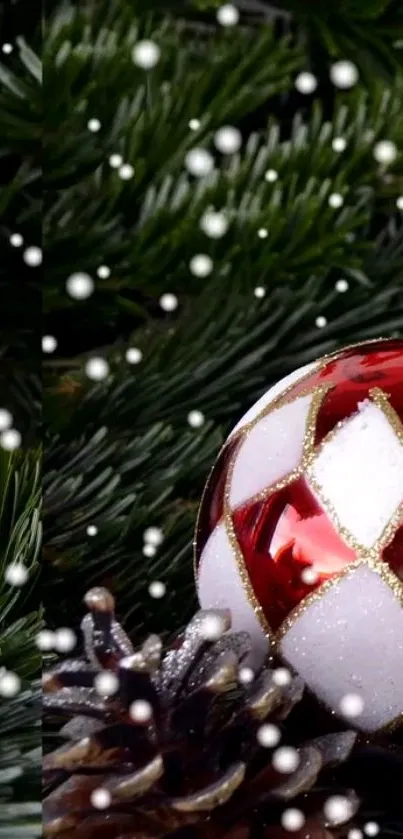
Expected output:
(371, 557)
(318, 395)
(237, 436)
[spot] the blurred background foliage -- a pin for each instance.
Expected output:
(120, 454)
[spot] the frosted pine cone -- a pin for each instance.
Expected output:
(187, 744)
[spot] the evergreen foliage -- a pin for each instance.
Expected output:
(120, 454)
(20, 621)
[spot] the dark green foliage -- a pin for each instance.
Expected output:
(120, 455)
(20, 621)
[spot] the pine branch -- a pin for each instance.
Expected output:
(120, 456)
(20, 621)
(147, 229)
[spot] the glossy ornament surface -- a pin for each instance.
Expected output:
(300, 530)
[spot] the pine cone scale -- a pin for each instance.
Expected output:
(177, 748)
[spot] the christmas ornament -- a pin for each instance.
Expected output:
(163, 744)
(300, 530)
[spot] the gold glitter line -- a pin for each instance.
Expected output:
(358, 344)
(244, 576)
(317, 394)
(201, 505)
(313, 597)
(379, 398)
(376, 565)
(392, 582)
(316, 367)
(310, 423)
(364, 557)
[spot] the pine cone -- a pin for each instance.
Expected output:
(176, 747)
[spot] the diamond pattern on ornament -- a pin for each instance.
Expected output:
(221, 581)
(271, 450)
(358, 476)
(274, 393)
(355, 626)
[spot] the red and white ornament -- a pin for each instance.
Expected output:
(300, 530)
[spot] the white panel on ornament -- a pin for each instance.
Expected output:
(360, 473)
(273, 392)
(272, 449)
(220, 586)
(350, 642)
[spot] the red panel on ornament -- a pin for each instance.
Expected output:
(288, 543)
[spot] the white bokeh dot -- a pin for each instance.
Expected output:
(16, 574)
(246, 675)
(133, 355)
(45, 640)
(306, 82)
(263, 233)
(101, 798)
(281, 676)
(140, 711)
(80, 285)
(344, 74)
(338, 809)
(33, 256)
(309, 576)
(157, 589)
(153, 535)
(201, 265)
(16, 240)
(342, 286)
(286, 759)
(199, 162)
(228, 15)
(194, 124)
(351, 705)
(104, 272)
(10, 439)
(146, 54)
(292, 819)
(271, 176)
(354, 833)
(214, 224)
(115, 160)
(6, 419)
(212, 627)
(399, 202)
(169, 302)
(385, 152)
(228, 139)
(196, 418)
(339, 144)
(49, 343)
(92, 530)
(259, 292)
(7, 48)
(268, 735)
(106, 683)
(321, 321)
(64, 639)
(97, 368)
(149, 550)
(10, 684)
(371, 828)
(335, 200)
(94, 125)
(126, 171)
